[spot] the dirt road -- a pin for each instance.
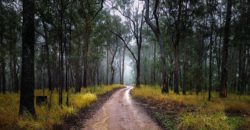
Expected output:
(120, 112)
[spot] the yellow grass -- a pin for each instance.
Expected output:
(9, 107)
(217, 121)
(206, 113)
(233, 101)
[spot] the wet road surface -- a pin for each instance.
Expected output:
(120, 112)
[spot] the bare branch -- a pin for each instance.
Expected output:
(125, 43)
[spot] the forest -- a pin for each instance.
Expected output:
(77, 64)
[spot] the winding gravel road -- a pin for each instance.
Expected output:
(120, 112)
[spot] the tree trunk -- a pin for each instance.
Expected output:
(47, 56)
(123, 64)
(210, 57)
(86, 52)
(154, 67)
(2, 65)
(16, 82)
(224, 73)
(3, 78)
(164, 66)
(112, 74)
(138, 65)
(176, 68)
(210, 66)
(107, 73)
(240, 69)
(156, 29)
(66, 49)
(176, 48)
(112, 67)
(184, 83)
(61, 60)
(28, 42)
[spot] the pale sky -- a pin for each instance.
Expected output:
(137, 4)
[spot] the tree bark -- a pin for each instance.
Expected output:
(2, 62)
(154, 67)
(88, 31)
(210, 65)
(107, 71)
(3, 77)
(184, 83)
(122, 60)
(224, 72)
(138, 65)
(112, 67)
(28, 42)
(156, 30)
(47, 55)
(61, 60)
(176, 48)
(123, 64)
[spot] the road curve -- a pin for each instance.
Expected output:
(120, 112)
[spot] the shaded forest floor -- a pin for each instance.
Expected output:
(48, 118)
(194, 112)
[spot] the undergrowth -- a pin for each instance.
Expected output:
(46, 118)
(196, 113)
(165, 120)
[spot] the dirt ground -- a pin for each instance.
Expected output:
(120, 112)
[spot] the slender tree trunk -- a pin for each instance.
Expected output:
(47, 56)
(28, 42)
(112, 74)
(2, 65)
(240, 69)
(112, 67)
(154, 67)
(164, 67)
(138, 65)
(3, 77)
(78, 70)
(224, 73)
(176, 68)
(120, 65)
(1, 45)
(16, 82)
(184, 78)
(243, 73)
(210, 58)
(66, 68)
(123, 63)
(176, 48)
(210, 67)
(156, 29)
(86, 56)
(107, 73)
(61, 60)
